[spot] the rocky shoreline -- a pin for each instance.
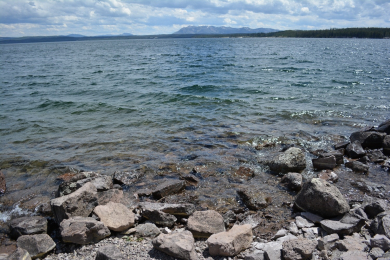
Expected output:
(92, 218)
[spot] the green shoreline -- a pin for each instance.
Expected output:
(372, 33)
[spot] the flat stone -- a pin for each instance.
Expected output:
(293, 228)
(115, 216)
(203, 224)
(253, 199)
(178, 244)
(332, 226)
(324, 163)
(292, 160)
(255, 255)
(280, 233)
(298, 249)
(380, 241)
(357, 167)
(303, 223)
(287, 237)
(168, 187)
(102, 183)
(36, 245)
(351, 243)
(328, 242)
(341, 145)
(109, 252)
(293, 180)
(27, 226)
(147, 230)
(232, 242)
(312, 217)
(310, 233)
(337, 154)
(81, 230)
(273, 251)
(159, 218)
(19, 254)
(183, 210)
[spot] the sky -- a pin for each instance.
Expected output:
(148, 17)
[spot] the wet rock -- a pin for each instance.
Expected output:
(337, 154)
(79, 203)
(292, 160)
(342, 229)
(3, 185)
(380, 241)
(298, 249)
(321, 198)
(357, 167)
(386, 145)
(19, 254)
(203, 224)
(36, 245)
(373, 206)
(178, 244)
(168, 187)
(113, 195)
(126, 178)
(245, 173)
(159, 218)
(329, 176)
(303, 223)
(109, 252)
(115, 216)
(81, 230)
(232, 242)
(341, 145)
(147, 230)
(376, 156)
(381, 224)
(293, 180)
(183, 210)
(190, 179)
(368, 139)
(324, 163)
(273, 250)
(328, 242)
(369, 187)
(352, 243)
(102, 183)
(27, 226)
(253, 199)
(254, 220)
(293, 228)
(384, 127)
(355, 150)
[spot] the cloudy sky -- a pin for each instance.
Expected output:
(143, 17)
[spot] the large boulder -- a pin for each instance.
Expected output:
(79, 203)
(368, 139)
(3, 186)
(183, 210)
(36, 245)
(27, 226)
(177, 244)
(168, 187)
(232, 242)
(253, 199)
(292, 160)
(80, 230)
(321, 198)
(299, 249)
(203, 224)
(115, 216)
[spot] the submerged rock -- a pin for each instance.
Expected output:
(253, 199)
(358, 167)
(321, 198)
(292, 160)
(293, 180)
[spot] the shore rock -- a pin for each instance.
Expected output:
(368, 139)
(126, 178)
(342, 229)
(79, 203)
(386, 145)
(36, 245)
(27, 226)
(159, 218)
(321, 198)
(273, 250)
(253, 199)
(384, 127)
(183, 210)
(328, 242)
(74, 183)
(147, 230)
(3, 184)
(355, 150)
(357, 167)
(19, 254)
(329, 176)
(109, 252)
(381, 224)
(373, 206)
(178, 244)
(203, 224)
(324, 163)
(337, 154)
(352, 243)
(292, 160)
(168, 187)
(113, 195)
(115, 216)
(232, 242)
(298, 249)
(380, 241)
(81, 230)
(293, 180)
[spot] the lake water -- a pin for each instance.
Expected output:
(174, 104)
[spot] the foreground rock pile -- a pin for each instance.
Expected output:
(93, 219)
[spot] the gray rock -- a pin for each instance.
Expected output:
(287, 237)
(80, 230)
(159, 218)
(328, 242)
(303, 223)
(380, 241)
(273, 251)
(183, 210)
(329, 176)
(232, 242)
(369, 187)
(109, 252)
(126, 178)
(36, 245)
(386, 145)
(255, 255)
(229, 217)
(178, 244)
(376, 252)
(203, 224)
(376, 156)
(19, 254)
(354, 216)
(342, 229)
(147, 230)
(373, 206)
(354, 255)
(79, 203)
(384, 127)
(355, 150)
(113, 195)
(253, 199)
(351, 243)
(27, 226)
(102, 183)
(341, 145)
(190, 179)
(292, 160)
(293, 228)
(368, 139)
(381, 224)
(357, 167)
(324, 163)
(310, 233)
(299, 249)
(281, 233)
(3, 184)
(115, 216)
(75, 183)
(168, 187)
(385, 256)
(312, 217)
(321, 198)
(293, 180)
(337, 154)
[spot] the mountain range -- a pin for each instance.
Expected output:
(221, 30)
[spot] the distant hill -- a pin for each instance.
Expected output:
(221, 30)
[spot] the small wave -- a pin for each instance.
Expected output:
(56, 104)
(200, 88)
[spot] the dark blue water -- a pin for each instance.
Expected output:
(108, 105)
